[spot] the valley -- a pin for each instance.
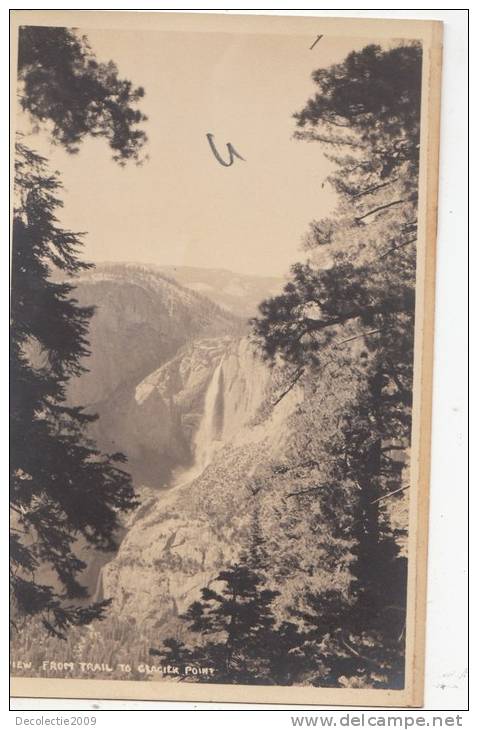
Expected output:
(191, 429)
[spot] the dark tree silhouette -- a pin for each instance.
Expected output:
(62, 487)
(238, 633)
(241, 611)
(369, 102)
(63, 490)
(240, 637)
(357, 311)
(66, 89)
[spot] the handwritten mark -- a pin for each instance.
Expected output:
(316, 41)
(230, 149)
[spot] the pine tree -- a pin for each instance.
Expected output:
(239, 620)
(62, 488)
(237, 632)
(238, 636)
(352, 305)
(72, 95)
(370, 102)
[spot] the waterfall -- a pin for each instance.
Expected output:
(209, 428)
(205, 443)
(207, 435)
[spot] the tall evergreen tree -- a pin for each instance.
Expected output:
(67, 91)
(237, 632)
(62, 487)
(353, 304)
(63, 490)
(234, 625)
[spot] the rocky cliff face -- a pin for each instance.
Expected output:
(180, 538)
(157, 421)
(185, 395)
(142, 318)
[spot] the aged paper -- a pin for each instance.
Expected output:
(222, 390)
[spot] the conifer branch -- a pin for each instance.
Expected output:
(383, 207)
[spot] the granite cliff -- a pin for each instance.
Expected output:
(206, 449)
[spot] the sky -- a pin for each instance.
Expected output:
(182, 207)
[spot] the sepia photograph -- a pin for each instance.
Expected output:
(222, 283)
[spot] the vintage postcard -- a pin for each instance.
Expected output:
(222, 286)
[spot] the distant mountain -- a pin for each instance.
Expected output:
(176, 385)
(212, 439)
(238, 293)
(142, 319)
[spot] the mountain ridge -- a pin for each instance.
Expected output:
(141, 320)
(237, 293)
